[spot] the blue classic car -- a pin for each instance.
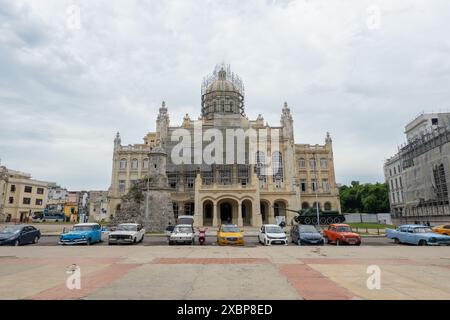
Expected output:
(418, 235)
(82, 233)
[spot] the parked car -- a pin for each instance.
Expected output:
(230, 234)
(82, 233)
(272, 234)
(16, 235)
(127, 233)
(48, 217)
(182, 233)
(443, 229)
(341, 233)
(306, 235)
(418, 235)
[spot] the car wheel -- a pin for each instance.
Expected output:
(422, 243)
(134, 240)
(16, 243)
(36, 240)
(396, 241)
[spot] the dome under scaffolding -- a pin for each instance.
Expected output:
(222, 93)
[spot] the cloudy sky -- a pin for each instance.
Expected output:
(359, 69)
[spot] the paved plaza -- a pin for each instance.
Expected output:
(210, 272)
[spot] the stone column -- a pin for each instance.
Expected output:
(271, 215)
(240, 221)
(215, 217)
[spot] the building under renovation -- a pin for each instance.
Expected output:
(249, 178)
(418, 174)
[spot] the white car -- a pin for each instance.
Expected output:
(127, 233)
(272, 234)
(182, 233)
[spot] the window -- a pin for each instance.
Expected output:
(175, 209)
(302, 163)
(13, 188)
(434, 121)
(390, 172)
(312, 163)
(189, 208)
(325, 185)
(39, 202)
(400, 180)
(392, 184)
(277, 166)
(123, 163)
(303, 185)
(314, 185)
(28, 189)
(121, 185)
(260, 164)
(40, 190)
(305, 205)
(323, 163)
(26, 200)
(134, 164)
(172, 178)
(396, 183)
(11, 200)
(395, 170)
(145, 164)
(327, 206)
(222, 104)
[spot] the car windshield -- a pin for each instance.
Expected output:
(422, 230)
(183, 229)
(230, 229)
(83, 228)
(10, 230)
(127, 227)
(344, 229)
(308, 229)
(274, 229)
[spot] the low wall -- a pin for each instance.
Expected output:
(384, 218)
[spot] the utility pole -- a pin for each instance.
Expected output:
(317, 186)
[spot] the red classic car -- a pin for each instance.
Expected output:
(340, 233)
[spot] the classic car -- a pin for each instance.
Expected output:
(306, 235)
(127, 233)
(418, 235)
(182, 233)
(16, 235)
(82, 233)
(444, 229)
(341, 233)
(230, 234)
(272, 234)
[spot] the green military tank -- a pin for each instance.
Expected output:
(309, 216)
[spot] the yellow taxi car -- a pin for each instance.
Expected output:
(444, 229)
(230, 234)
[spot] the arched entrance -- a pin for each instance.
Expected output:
(226, 212)
(246, 209)
(264, 207)
(207, 213)
(279, 210)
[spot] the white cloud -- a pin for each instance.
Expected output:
(64, 93)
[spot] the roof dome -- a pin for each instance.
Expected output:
(222, 93)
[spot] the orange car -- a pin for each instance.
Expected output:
(340, 233)
(444, 229)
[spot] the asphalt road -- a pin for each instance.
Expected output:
(250, 241)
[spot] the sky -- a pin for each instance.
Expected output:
(73, 73)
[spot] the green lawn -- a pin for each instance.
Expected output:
(370, 226)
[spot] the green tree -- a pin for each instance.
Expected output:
(364, 198)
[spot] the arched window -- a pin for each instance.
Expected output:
(134, 164)
(305, 205)
(323, 163)
(315, 205)
(145, 163)
(277, 166)
(312, 163)
(327, 206)
(123, 163)
(260, 163)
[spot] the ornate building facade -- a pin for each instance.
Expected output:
(250, 183)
